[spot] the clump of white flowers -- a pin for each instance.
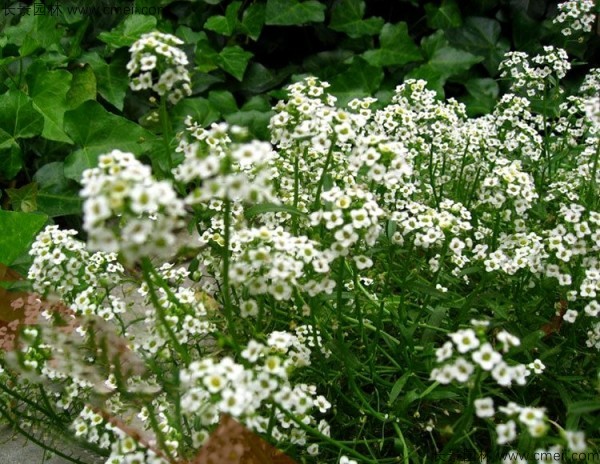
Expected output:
(157, 63)
(469, 350)
(126, 210)
(257, 390)
(533, 75)
(576, 17)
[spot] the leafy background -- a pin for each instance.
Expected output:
(64, 86)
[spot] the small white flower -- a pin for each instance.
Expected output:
(486, 357)
(484, 407)
(537, 366)
(576, 441)
(465, 340)
(506, 432)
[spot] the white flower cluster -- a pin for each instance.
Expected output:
(533, 75)
(63, 266)
(508, 182)
(252, 391)
(427, 227)
(157, 63)
(127, 450)
(353, 218)
(226, 167)
(576, 17)
(312, 136)
(127, 210)
(482, 356)
(517, 251)
(274, 262)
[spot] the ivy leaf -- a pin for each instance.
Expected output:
(11, 156)
(57, 196)
(83, 87)
(222, 101)
(294, 12)
(481, 36)
(33, 32)
(259, 78)
(359, 79)
(224, 25)
(24, 198)
(256, 121)
(48, 90)
(234, 60)
(483, 94)
(435, 79)
(96, 131)
(347, 16)
(18, 231)
(130, 30)
(450, 61)
(206, 56)
(396, 47)
(253, 21)
(199, 109)
(111, 79)
(18, 117)
(445, 16)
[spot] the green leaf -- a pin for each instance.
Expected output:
(583, 407)
(96, 131)
(293, 12)
(396, 47)
(224, 25)
(199, 109)
(445, 16)
(83, 87)
(111, 79)
(48, 90)
(57, 196)
(234, 60)
(206, 56)
(24, 198)
(483, 95)
(11, 156)
(347, 16)
(433, 42)
(449, 61)
(256, 121)
(359, 79)
(17, 231)
(481, 36)
(435, 80)
(398, 386)
(253, 20)
(259, 78)
(130, 30)
(33, 32)
(18, 117)
(222, 101)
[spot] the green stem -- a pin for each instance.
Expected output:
(167, 131)
(225, 288)
(296, 193)
(325, 438)
(317, 202)
(148, 274)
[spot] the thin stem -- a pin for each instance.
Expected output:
(226, 291)
(167, 131)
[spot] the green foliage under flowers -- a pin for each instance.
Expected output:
(357, 279)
